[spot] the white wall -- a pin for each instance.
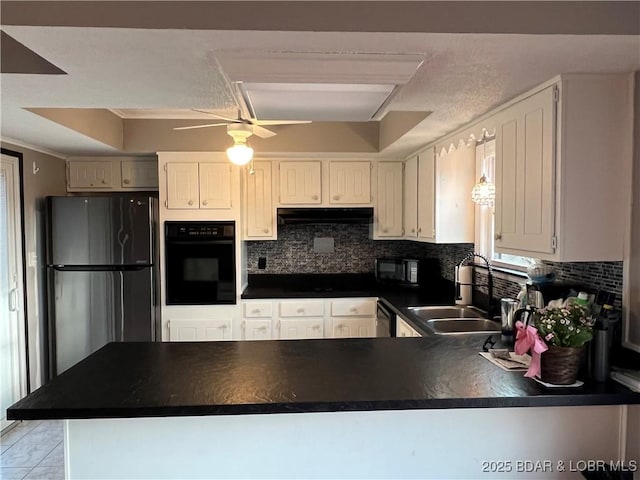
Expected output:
(42, 175)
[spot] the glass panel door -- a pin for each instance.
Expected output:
(13, 371)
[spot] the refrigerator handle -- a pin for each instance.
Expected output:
(13, 300)
(121, 298)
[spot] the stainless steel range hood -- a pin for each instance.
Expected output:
(301, 216)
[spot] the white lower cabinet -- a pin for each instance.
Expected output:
(256, 329)
(301, 319)
(199, 330)
(289, 319)
(297, 328)
(353, 317)
(403, 329)
(257, 321)
(352, 327)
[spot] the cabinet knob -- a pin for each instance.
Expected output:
(300, 310)
(419, 230)
(336, 197)
(413, 230)
(315, 197)
(190, 202)
(256, 310)
(498, 236)
(266, 230)
(385, 230)
(104, 182)
(205, 202)
(354, 310)
(126, 181)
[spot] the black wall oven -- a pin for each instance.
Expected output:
(200, 263)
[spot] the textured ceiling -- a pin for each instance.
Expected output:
(462, 76)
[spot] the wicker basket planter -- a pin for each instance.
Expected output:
(560, 365)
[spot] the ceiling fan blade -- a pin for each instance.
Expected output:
(221, 117)
(279, 122)
(262, 132)
(191, 127)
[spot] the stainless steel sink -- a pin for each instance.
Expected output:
(462, 325)
(454, 320)
(428, 313)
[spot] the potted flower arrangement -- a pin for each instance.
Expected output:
(556, 338)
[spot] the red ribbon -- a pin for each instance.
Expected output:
(527, 338)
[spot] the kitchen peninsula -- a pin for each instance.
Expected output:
(375, 408)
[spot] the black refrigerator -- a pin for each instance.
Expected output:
(102, 274)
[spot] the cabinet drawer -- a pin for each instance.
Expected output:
(360, 307)
(258, 309)
(302, 309)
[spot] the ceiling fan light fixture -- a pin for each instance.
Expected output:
(240, 153)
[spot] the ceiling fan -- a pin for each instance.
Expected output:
(240, 129)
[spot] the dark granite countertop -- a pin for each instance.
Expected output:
(124, 380)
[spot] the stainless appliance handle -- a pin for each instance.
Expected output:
(13, 300)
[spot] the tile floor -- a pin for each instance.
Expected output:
(33, 450)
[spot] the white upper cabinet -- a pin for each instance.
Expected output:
(524, 215)
(182, 185)
(563, 157)
(455, 211)
(349, 182)
(389, 199)
(410, 210)
(301, 182)
(86, 174)
(204, 185)
(426, 196)
(440, 187)
(259, 208)
(89, 174)
(215, 185)
(139, 174)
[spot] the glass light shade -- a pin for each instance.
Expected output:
(240, 154)
(483, 192)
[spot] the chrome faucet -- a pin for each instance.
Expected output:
(489, 279)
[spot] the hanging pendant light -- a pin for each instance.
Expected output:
(483, 192)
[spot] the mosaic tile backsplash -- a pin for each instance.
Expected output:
(355, 252)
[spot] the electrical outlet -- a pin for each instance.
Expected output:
(262, 263)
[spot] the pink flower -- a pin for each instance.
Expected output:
(548, 337)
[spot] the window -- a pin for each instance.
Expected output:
(485, 164)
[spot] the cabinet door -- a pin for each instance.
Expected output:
(410, 211)
(300, 182)
(294, 328)
(182, 185)
(199, 330)
(389, 203)
(426, 196)
(90, 174)
(139, 174)
(254, 329)
(349, 182)
(524, 216)
(455, 211)
(260, 214)
(344, 327)
(403, 329)
(215, 185)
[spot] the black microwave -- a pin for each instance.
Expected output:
(398, 271)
